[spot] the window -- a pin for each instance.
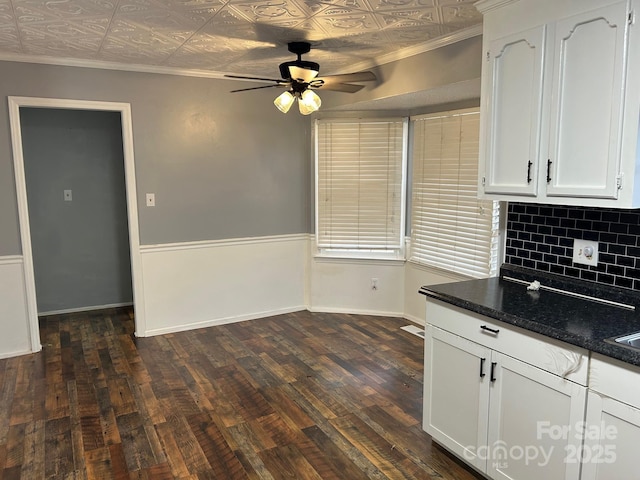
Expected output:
(360, 187)
(450, 228)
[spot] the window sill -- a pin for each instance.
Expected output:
(455, 276)
(361, 258)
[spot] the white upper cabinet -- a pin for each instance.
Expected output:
(560, 102)
(513, 101)
(586, 103)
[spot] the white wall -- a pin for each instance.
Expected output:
(344, 285)
(199, 284)
(14, 323)
(415, 277)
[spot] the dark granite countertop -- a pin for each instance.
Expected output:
(577, 321)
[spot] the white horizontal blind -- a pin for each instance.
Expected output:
(450, 228)
(360, 185)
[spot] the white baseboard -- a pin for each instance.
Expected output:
(223, 321)
(355, 311)
(84, 309)
(17, 353)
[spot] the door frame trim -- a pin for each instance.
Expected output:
(23, 212)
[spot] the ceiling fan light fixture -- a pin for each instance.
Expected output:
(284, 101)
(309, 102)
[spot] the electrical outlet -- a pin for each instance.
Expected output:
(68, 196)
(151, 199)
(585, 252)
(374, 284)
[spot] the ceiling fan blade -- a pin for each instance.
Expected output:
(256, 88)
(304, 75)
(349, 77)
(257, 79)
(339, 87)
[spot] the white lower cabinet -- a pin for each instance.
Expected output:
(612, 439)
(456, 394)
(507, 418)
(612, 429)
(533, 416)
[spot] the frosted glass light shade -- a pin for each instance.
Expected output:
(309, 102)
(284, 101)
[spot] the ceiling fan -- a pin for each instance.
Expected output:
(300, 79)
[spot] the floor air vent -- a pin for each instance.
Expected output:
(417, 331)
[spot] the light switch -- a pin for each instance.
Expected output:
(151, 199)
(67, 196)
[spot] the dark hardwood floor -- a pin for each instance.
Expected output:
(297, 396)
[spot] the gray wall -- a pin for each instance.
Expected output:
(80, 247)
(221, 165)
(432, 70)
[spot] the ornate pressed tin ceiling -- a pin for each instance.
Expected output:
(235, 36)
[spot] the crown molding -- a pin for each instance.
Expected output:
(485, 5)
(104, 65)
(434, 44)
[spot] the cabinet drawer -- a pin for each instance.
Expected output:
(546, 353)
(615, 379)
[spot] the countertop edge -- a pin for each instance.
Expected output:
(601, 347)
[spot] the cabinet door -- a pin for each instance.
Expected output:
(456, 394)
(512, 98)
(532, 420)
(587, 104)
(612, 437)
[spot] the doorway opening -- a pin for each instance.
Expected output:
(21, 108)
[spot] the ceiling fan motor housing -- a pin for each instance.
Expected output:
(284, 67)
(299, 48)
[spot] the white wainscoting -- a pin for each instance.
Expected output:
(415, 277)
(14, 321)
(344, 285)
(200, 284)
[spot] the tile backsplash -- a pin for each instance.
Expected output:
(541, 237)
